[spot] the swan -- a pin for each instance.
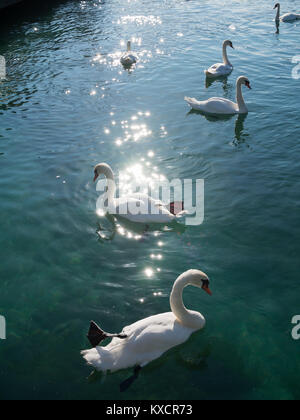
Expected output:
(163, 214)
(221, 105)
(221, 69)
(146, 340)
(129, 58)
(288, 17)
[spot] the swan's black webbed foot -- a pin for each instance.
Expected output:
(137, 370)
(96, 335)
(128, 382)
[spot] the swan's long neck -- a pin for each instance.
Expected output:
(278, 12)
(239, 98)
(185, 317)
(225, 56)
(129, 46)
(111, 185)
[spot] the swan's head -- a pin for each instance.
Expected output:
(199, 279)
(277, 5)
(228, 44)
(245, 81)
(102, 169)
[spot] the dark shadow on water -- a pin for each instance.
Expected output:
(27, 10)
(240, 135)
(223, 117)
(110, 226)
(212, 117)
(209, 81)
(129, 68)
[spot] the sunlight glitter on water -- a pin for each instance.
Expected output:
(149, 272)
(135, 175)
(140, 20)
(51, 127)
(132, 132)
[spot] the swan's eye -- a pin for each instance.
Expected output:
(205, 284)
(205, 287)
(96, 175)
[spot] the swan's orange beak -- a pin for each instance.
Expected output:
(96, 177)
(248, 85)
(207, 290)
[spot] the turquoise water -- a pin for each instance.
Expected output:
(67, 105)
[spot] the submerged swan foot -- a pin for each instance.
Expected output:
(124, 386)
(96, 335)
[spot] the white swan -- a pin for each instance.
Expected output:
(148, 339)
(129, 58)
(288, 17)
(221, 69)
(122, 206)
(221, 105)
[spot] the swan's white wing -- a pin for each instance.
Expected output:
(213, 106)
(127, 202)
(219, 69)
(140, 200)
(146, 199)
(147, 340)
(290, 17)
(157, 333)
(151, 211)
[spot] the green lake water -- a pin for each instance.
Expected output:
(66, 105)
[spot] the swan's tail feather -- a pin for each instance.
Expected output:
(96, 335)
(191, 101)
(182, 214)
(99, 358)
(86, 354)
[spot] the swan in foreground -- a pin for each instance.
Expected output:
(221, 105)
(288, 17)
(221, 69)
(129, 58)
(146, 209)
(148, 339)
